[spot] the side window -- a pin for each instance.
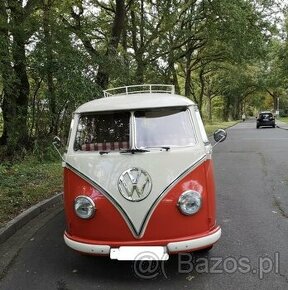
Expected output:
(201, 127)
(70, 131)
(97, 132)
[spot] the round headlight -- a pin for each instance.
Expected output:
(189, 202)
(84, 207)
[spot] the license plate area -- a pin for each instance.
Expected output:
(145, 253)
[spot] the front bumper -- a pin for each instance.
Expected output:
(267, 123)
(171, 247)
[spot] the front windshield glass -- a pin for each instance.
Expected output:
(164, 128)
(103, 132)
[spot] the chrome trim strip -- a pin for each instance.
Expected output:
(140, 233)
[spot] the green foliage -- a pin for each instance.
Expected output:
(213, 126)
(215, 52)
(236, 28)
(218, 104)
(284, 119)
(44, 151)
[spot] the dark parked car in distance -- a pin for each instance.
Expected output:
(265, 119)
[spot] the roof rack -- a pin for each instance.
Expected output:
(140, 89)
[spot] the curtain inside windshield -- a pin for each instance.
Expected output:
(98, 132)
(159, 128)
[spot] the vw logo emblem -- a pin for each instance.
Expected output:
(135, 184)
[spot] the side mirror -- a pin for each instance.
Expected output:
(220, 135)
(57, 144)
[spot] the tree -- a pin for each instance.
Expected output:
(105, 48)
(56, 55)
(14, 72)
(213, 33)
(61, 74)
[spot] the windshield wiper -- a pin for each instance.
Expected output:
(135, 150)
(167, 148)
(103, 152)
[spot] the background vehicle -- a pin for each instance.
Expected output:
(265, 119)
(139, 176)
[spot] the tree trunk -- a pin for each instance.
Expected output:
(275, 95)
(202, 83)
(226, 110)
(172, 75)
(22, 88)
(210, 108)
(236, 109)
(139, 77)
(15, 80)
(6, 70)
(116, 31)
(47, 5)
(125, 48)
(188, 72)
(138, 47)
(275, 101)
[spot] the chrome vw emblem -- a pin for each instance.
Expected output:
(135, 184)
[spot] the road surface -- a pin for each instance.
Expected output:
(252, 201)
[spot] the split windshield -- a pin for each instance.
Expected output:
(151, 129)
(164, 128)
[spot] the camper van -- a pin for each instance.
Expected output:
(139, 177)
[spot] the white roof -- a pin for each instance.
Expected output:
(134, 102)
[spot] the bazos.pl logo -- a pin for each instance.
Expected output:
(187, 263)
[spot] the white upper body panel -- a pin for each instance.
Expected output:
(134, 102)
(164, 168)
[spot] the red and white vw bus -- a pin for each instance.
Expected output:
(138, 176)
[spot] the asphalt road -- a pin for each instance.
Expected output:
(252, 185)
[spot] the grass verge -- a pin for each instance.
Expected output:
(284, 119)
(26, 183)
(211, 127)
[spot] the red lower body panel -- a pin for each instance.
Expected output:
(165, 225)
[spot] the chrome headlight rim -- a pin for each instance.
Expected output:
(194, 196)
(92, 207)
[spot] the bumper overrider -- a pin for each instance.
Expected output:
(145, 252)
